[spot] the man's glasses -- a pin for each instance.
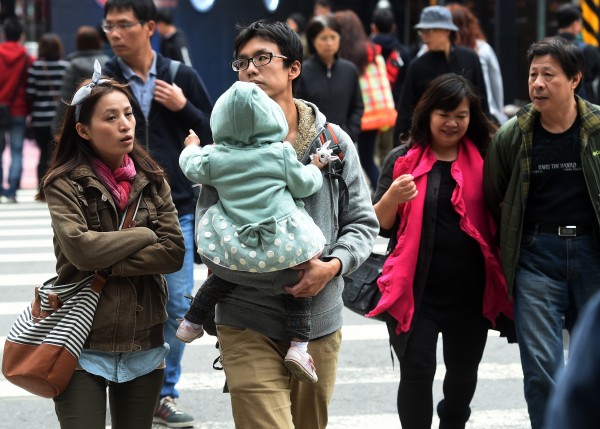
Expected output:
(258, 60)
(121, 26)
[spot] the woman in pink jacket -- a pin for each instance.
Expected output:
(443, 275)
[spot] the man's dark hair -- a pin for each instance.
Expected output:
(12, 29)
(566, 53)
(384, 20)
(144, 10)
(277, 32)
(165, 16)
(566, 14)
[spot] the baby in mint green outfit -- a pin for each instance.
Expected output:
(259, 224)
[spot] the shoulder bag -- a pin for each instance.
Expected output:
(361, 292)
(44, 344)
(380, 113)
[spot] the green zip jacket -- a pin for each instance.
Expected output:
(85, 222)
(507, 175)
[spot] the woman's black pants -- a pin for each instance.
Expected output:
(463, 345)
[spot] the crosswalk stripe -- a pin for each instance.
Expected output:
(5, 223)
(29, 232)
(28, 279)
(20, 214)
(380, 248)
(206, 380)
(23, 204)
(25, 244)
(28, 257)
(13, 308)
(480, 419)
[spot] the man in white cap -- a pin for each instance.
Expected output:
(437, 32)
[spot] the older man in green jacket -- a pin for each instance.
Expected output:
(542, 181)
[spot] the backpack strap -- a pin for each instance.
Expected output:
(173, 68)
(335, 167)
(327, 134)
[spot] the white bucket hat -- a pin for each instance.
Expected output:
(436, 17)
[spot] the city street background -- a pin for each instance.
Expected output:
(367, 379)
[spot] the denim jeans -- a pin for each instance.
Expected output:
(16, 133)
(179, 283)
(555, 277)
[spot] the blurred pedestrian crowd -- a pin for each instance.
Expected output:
(492, 211)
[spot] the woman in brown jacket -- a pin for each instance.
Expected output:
(97, 171)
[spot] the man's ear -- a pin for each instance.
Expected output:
(151, 27)
(82, 130)
(576, 79)
(295, 70)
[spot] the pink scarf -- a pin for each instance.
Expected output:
(118, 182)
(396, 281)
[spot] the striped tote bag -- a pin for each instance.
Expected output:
(44, 344)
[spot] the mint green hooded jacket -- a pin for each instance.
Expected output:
(350, 231)
(259, 223)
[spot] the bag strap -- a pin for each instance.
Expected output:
(173, 68)
(335, 167)
(101, 276)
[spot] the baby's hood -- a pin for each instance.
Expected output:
(245, 115)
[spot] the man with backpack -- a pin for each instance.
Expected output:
(170, 99)
(569, 21)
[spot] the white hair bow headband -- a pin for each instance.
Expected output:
(84, 92)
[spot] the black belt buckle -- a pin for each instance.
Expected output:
(567, 231)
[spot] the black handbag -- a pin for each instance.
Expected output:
(361, 293)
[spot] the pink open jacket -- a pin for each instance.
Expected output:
(396, 281)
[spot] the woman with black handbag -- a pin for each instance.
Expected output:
(443, 275)
(97, 171)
